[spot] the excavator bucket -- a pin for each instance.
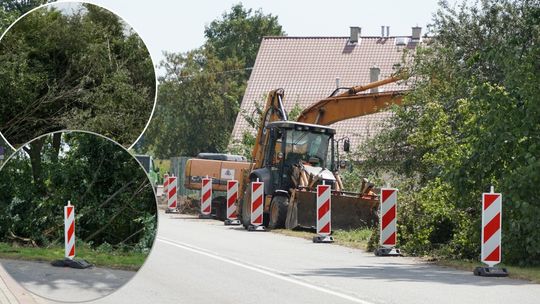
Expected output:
(349, 211)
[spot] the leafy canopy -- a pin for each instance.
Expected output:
(472, 120)
(84, 70)
(114, 200)
(200, 94)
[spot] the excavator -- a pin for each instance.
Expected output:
(292, 157)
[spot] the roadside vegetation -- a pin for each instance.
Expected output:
(10, 10)
(114, 203)
(72, 66)
(200, 94)
(104, 256)
(471, 120)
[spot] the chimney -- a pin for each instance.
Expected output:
(374, 73)
(416, 32)
(355, 34)
(387, 31)
(382, 31)
(337, 82)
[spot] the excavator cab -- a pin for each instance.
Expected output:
(293, 145)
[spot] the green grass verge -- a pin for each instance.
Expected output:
(516, 272)
(359, 239)
(113, 259)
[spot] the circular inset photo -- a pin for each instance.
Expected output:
(74, 66)
(78, 216)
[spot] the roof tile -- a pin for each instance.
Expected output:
(307, 68)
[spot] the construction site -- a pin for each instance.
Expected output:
(387, 163)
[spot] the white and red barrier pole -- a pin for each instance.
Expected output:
(257, 206)
(172, 204)
(491, 235)
(165, 185)
(232, 197)
(69, 242)
(324, 218)
(69, 230)
(388, 223)
(206, 198)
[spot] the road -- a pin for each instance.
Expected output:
(64, 283)
(202, 261)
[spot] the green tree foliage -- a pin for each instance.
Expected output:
(10, 10)
(472, 120)
(239, 33)
(83, 70)
(199, 96)
(113, 197)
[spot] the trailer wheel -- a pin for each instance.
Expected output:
(278, 212)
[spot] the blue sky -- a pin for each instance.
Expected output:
(178, 26)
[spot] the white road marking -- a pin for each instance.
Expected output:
(261, 269)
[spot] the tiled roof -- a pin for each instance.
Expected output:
(307, 68)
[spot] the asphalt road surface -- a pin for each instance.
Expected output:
(66, 284)
(202, 261)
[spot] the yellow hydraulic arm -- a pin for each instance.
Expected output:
(273, 111)
(350, 104)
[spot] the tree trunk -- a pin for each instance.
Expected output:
(35, 160)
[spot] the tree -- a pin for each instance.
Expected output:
(472, 120)
(195, 107)
(239, 33)
(200, 94)
(10, 10)
(86, 70)
(113, 196)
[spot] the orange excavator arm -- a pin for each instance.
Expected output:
(350, 104)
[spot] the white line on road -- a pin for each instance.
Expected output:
(264, 270)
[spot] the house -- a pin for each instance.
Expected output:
(310, 68)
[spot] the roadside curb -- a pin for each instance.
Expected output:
(11, 292)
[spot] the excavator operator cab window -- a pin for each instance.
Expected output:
(276, 153)
(307, 147)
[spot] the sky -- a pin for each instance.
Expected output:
(178, 26)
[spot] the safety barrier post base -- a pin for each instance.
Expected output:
(323, 239)
(72, 263)
(228, 222)
(171, 210)
(206, 216)
(385, 251)
(256, 228)
(490, 272)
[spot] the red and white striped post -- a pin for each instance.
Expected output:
(324, 218)
(69, 242)
(69, 230)
(491, 235)
(165, 185)
(257, 206)
(206, 198)
(388, 223)
(232, 196)
(171, 195)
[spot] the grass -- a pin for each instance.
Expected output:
(357, 238)
(112, 259)
(360, 237)
(516, 272)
